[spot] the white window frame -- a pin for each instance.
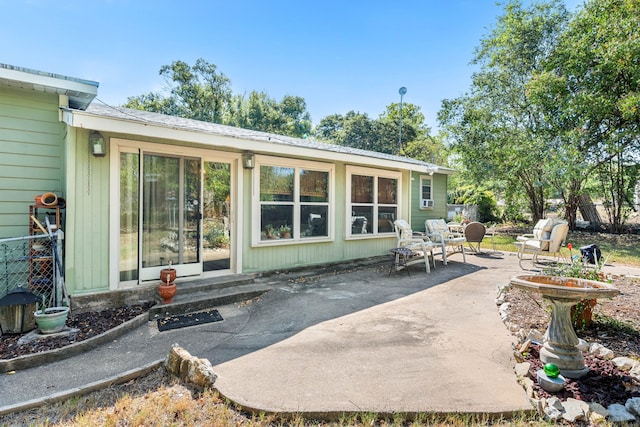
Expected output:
(375, 173)
(256, 203)
(424, 178)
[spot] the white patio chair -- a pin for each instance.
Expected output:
(420, 246)
(449, 242)
(547, 239)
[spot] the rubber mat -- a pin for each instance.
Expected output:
(190, 319)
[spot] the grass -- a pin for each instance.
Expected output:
(622, 249)
(173, 404)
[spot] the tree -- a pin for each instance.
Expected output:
(590, 92)
(495, 129)
(354, 129)
(359, 131)
(202, 93)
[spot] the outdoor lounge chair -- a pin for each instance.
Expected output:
(474, 233)
(419, 245)
(547, 238)
(449, 242)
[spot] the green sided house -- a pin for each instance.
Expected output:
(143, 190)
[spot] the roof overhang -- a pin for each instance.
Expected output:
(243, 140)
(80, 92)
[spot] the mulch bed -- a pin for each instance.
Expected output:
(88, 324)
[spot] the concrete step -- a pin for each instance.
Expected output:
(198, 295)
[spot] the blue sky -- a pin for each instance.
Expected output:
(338, 55)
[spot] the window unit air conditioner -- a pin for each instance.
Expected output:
(427, 203)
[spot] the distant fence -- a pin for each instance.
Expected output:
(469, 212)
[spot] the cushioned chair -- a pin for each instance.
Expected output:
(449, 242)
(420, 246)
(547, 239)
(474, 233)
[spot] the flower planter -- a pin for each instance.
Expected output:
(168, 275)
(167, 291)
(52, 320)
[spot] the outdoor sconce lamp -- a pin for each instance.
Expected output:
(248, 160)
(96, 144)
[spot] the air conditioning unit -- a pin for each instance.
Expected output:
(426, 203)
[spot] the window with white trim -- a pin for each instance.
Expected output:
(373, 197)
(426, 192)
(295, 202)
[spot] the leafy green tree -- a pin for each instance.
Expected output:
(496, 130)
(354, 129)
(197, 92)
(357, 130)
(590, 93)
(202, 93)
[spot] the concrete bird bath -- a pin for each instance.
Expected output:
(562, 293)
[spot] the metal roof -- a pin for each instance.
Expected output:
(190, 125)
(80, 92)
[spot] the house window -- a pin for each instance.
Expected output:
(426, 192)
(373, 201)
(294, 201)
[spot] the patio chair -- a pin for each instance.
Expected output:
(547, 239)
(421, 249)
(474, 233)
(449, 242)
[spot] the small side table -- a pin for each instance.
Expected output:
(401, 255)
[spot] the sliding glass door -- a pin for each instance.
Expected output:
(173, 210)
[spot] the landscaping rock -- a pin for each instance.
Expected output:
(633, 406)
(619, 414)
(189, 368)
(635, 371)
(522, 369)
(597, 413)
(575, 410)
(624, 363)
(582, 345)
(552, 414)
(601, 351)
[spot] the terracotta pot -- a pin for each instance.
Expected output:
(167, 292)
(582, 313)
(168, 275)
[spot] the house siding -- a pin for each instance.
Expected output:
(31, 155)
(418, 215)
(87, 224)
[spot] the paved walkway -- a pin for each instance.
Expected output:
(357, 341)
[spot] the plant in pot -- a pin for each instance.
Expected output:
(269, 231)
(285, 231)
(51, 319)
(167, 288)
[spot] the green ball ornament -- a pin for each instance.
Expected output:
(551, 370)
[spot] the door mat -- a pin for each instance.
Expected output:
(190, 319)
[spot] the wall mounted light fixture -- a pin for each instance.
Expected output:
(248, 160)
(96, 144)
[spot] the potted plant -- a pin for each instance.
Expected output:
(51, 319)
(167, 288)
(285, 231)
(269, 231)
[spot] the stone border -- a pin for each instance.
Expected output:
(37, 359)
(571, 410)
